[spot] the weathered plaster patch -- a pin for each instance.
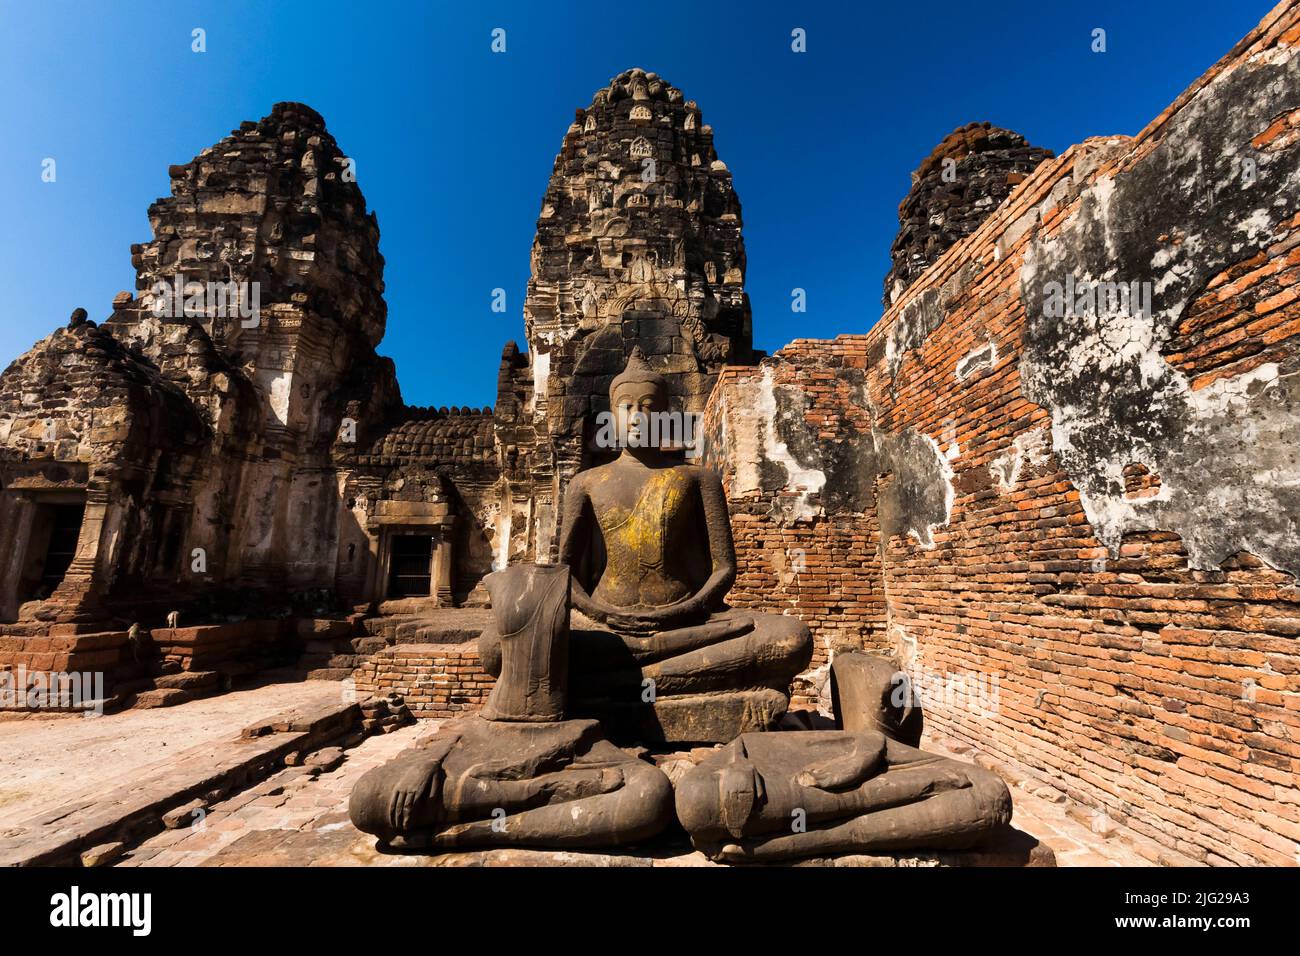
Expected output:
(980, 359)
(1028, 450)
(919, 500)
(767, 436)
(923, 314)
(1013, 233)
(1227, 454)
(498, 516)
(761, 429)
(541, 376)
(279, 392)
(906, 648)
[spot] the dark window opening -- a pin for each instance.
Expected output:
(172, 544)
(410, 566)
(65, 530)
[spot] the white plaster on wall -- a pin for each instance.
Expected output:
(1225, 453)
(755, 440)
(926, 538)
(1027, 450)
(502, 520)
(279, 391)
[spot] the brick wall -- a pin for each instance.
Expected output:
(107, 651)
(824, 569)
(436, 680)
(28, 661)
(1095, 519)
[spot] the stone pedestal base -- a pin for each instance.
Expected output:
(696, 718)
(1011, 848)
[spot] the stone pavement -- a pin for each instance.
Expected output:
(1072, 834)
(298, 817)
(305, 807)
(1079, 836)
(50, 759)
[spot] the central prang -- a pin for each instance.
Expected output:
(657, 655)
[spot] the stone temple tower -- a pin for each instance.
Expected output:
(966, 177)
(638, 243)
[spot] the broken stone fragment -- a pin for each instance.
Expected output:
(185, 815)
(161, 697)
(102, 855)
(325, 760)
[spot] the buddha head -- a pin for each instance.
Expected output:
(635, 394)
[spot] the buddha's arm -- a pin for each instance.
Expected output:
(575, 533)
(865, 758)
(417, 778)
(489, 650)
(680, 640)
(721, 545)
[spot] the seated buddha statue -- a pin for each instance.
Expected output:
(657, 655)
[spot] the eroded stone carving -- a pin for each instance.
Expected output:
(964, 179)
(634, 237)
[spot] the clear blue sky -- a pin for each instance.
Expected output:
(454, 144)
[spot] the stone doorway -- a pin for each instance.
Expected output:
(410, 566)
(56, 529)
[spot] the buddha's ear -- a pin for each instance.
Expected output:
(737, 795)
(905, 714)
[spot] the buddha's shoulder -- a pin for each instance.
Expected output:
(695, 475)
(613, 472)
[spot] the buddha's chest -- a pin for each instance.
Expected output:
(644, 521)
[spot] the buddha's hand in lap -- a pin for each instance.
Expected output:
(682, 640)
(415, 782)
(645, 622)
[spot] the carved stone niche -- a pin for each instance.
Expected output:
(641, 148)
(640, 114)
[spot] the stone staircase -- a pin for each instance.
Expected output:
(65, 667)
(178, 665)
(334, 648)
(268, 757)
(158, 668)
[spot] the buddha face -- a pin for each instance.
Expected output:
(633, 403)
